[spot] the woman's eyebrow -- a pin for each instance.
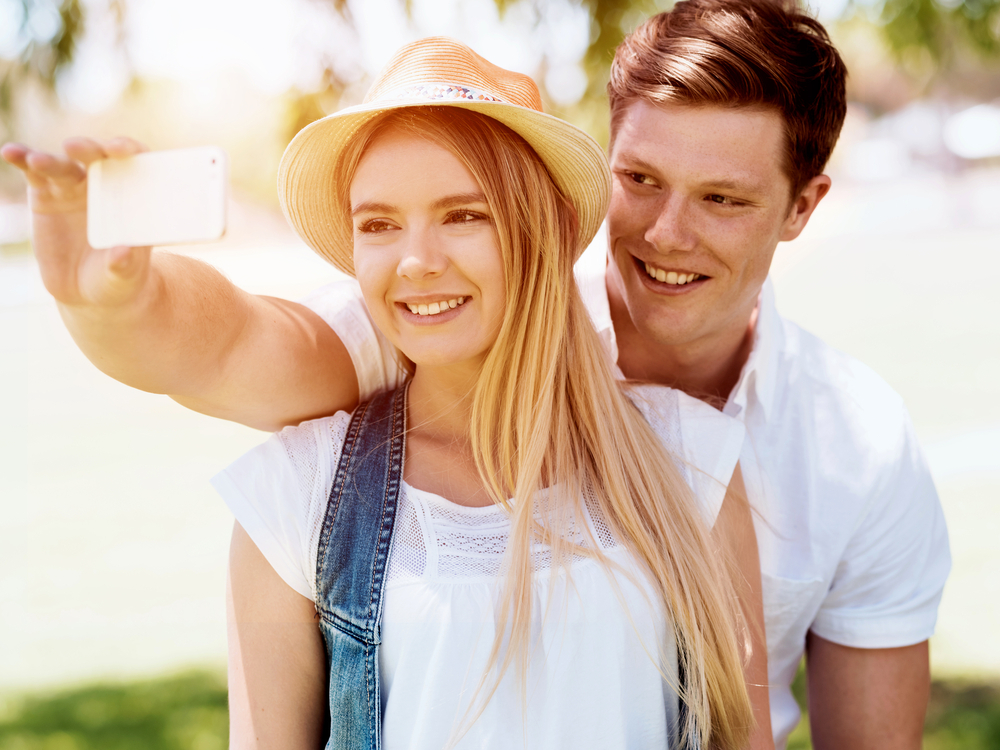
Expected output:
(371, 207)
(459, 199)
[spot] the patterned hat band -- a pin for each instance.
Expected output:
(436, 92)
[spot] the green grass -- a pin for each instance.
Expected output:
(182, 712)
(188, 712)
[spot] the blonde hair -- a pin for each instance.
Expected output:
(548, 412)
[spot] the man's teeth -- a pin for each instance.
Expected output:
(435, 307)
(670, 277)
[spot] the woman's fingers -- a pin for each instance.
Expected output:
(88, 150)
(84, 150)
(53, 167)
(42, 169)
(14, 153)
(124, 146)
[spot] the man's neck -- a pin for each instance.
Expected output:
(708, 369)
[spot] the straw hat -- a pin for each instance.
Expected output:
(439, 72)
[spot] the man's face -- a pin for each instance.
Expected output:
(698, 206)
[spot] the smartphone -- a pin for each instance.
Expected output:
(158, 198)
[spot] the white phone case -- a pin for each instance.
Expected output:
(158, 198)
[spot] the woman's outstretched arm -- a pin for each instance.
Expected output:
(277, 669)
(734, 536)
(169, 324)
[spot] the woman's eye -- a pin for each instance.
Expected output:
(373, 226)
(464, 217)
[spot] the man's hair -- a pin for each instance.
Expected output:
(740, 53)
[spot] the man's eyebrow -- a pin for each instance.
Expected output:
(448, 201)
(736, 186)
(634, 162)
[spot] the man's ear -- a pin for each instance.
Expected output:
(803, 206)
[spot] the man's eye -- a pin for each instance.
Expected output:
(724, 200)
(640, 179)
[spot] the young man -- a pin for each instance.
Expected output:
(724, 113)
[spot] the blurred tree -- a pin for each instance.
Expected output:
(928, 37)
(940, 28)
(41, 37)
(937, 31)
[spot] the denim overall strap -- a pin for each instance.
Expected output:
(351, 567)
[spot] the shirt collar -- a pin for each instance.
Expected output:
(758, 379)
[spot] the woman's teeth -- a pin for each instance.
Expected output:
(670, 277)
(435, 307)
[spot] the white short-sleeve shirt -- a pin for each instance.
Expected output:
(604, 663)
(851, 533)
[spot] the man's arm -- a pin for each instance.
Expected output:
(169, 324)
(733, 534)
(865, 699)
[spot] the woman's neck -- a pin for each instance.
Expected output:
(439, 456)
(440, 401)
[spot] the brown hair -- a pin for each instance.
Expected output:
(548, 412)
(740, 53)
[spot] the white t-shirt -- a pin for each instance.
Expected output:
(594, 678)
(851, 534)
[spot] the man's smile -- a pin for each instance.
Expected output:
(673, 279)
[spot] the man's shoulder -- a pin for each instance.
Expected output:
(848, 398)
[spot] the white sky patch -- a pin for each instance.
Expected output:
(975, 132)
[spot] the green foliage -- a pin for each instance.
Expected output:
(963, 715)
(941, 28)
(48, 34)
(184, 712)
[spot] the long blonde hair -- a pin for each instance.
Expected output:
(548, 412)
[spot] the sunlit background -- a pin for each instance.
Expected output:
(112, 544)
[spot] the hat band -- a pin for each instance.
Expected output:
(437, 92)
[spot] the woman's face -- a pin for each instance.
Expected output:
(425, 252)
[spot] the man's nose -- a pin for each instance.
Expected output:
(422, 257)
(672, 227)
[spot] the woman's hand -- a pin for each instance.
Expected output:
(73, 272)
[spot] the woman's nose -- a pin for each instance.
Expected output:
(422, 256)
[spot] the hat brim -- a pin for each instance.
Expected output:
(305, 175)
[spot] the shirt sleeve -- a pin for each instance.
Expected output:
(705, 442)
(378, 364)
(278, 493)
(888, 584)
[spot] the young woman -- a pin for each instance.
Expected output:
(506, 552)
